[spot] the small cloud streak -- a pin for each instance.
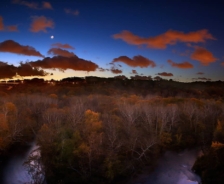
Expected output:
(1, 24)
(62, 46)
(64, 63)
(11, 28)
(41, 24)
(60, 52)
(200, 73)
(222, 63)
(202, 78)
(165, 74)
(204, 56)
(137, 61)
(72, 12)
(33, 5)
(47, 5)
(171, 37)
(14, 47)
(24, 70)
(134, 72)
(184, 65)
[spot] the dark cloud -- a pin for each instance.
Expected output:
(62, 46)
(161, 41)
(64, 63)
(165, 74)
(60, 52)
(137, 61)
(138, 77)
(14, 47)
(183, 65)
(200, 73)
(72, 12)
(202, 78)
(115, 70)
(204, 56)
(24, 69)
(41, 24)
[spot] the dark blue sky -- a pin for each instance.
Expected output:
(171, 39)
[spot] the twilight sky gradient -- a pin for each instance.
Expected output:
(174, 40)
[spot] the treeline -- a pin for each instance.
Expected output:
(106, 138)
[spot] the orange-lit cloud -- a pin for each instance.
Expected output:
(11, 28)
(60, 52)
(72, 12)
(14, 47)
(200, 73)
(137, 61)
(62, 46)
(204, 56)
(115, 70)
(24, 69)
(33, 5)
(222, 63)
(171, 37)
(41, 24)
(184, 65)
(64, 63)
(165, 74)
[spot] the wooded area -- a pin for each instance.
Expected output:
(94, 134)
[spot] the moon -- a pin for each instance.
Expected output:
(52, 37)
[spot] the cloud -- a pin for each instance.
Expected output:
(200, 73)
(1, 24)
(137, 61)
(165, 74)
(115, 70)
(14, 47)
(47, 5)
(138, 77)
(171, 37)
(11, 28)
(134, 72)
(40, 24)
(204, 56)
(33, 5)
(222, 63)
(24, 69)
(183, 65)
(64, 63)
(202, 78)
(72, 12)
(62, 46)
(102, 69)
(60, 52)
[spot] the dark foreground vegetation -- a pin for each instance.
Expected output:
(105, 133)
